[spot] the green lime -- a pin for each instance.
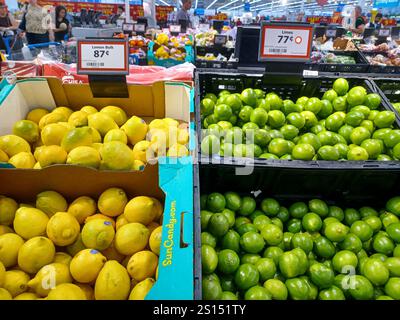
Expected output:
(245, 113)
(227, 283)
(391, 138)
(303, 151)
(352, 243)
(383, 157)
(373, 147)
(249, 97)
(209, 259)
(276, 221)
(392, 288)
(274, 253)
(357, 154)
(279, 147)
(247, 227)
(329, 153)
(261, 221)
(393, 265)
(294, 225)
(259, 116)
(327, 138)
(215, 130)
(387, 219)
(324, 248)
(252, 242)
(247, 206)
(230, 216)
(283, 214)
(372, 101)
(373, 114)
(209, 239)
(310, 119)
(234, 102)
(269, 156)
(289, 131)
(262, 137)
(341, 86)
(228, 261)
(274, 101)
(241, 220)
(259, 93)
(298, 289)
(393, 205)
(251, 258)
(374, 222)
(276, 118)
(375, 271)
(211, 289)
(289, 264)
(336, 212)
(257, 293)
(266, 267)
(246, 276)
(362, 230)
(393, 231)
(255, 214)
(302, 101)
(344, 260)
(383, 244)
(296, 119)
(226, 150)
(356, 96)
(336, 231)
(203, 201)
(334, 122)
(275, 134)
(261, 103)
(234, 135)
(332, 293)
(233, 200)
(312, 139)
(326, 109)
(311, 222)
(270, 207)
(396, 251)
(368, 124)
(303, 241)
(303, 260)
(298, 210)
(210, 145)
(222, 112)
(276, 288)
(216, 202)
(211, 96)
(367, 212)
(317, 129)
(289, 107)
(314, 105)
(319, 207)
(218, 225)
(227, 295)
(354, 118)
(384, 119)
(207, 106)
(272, 234)
(396, 151)
(345, 131)
(224, 125)
(361, 289)
(231, 241)
(287, 240)
(350, 216)
(321, 275)
(359, 134)
(330, 95)
(339, 104)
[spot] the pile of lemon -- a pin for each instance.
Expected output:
(55, 251)
(105, 139)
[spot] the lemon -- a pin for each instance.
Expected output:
(121, 221)
(36, 114)
(140, 291)
(63, 110)
(142, 265)
(12, 144)
(27, 130)
(112, 202)
(16, 282)
(102, 123)
(51, 118)
(183, 136)
(138, 165)
(66, 291)
(158, 124)
(50, 155)
(62, 257)
(102, 217)
(5, 295)
(84, 156)
(23, 160)
(152, 226)
(86, 265)
(116, 113)
(177, 150)
(53, 133)
(97, 234)
(5, 229)
(27, 296)
(8, 207)
(10, 243)
(37, 166)
(3, 156)
(116, 135)
(171, 122)
(38, 151)
(36, 253)
(78, 119)
(112, 283)
(97, 146)
(159, 141)
(131, 238)
(87, 290)
(140, 150)
(82, 207)
(77, 246)
(51, 202)
(2, 273)
(140, 209)
(155, 240)
(135, 129)
(89, 110)
(77, 137)
(112, 254)
(30, 222)
(158, 207)
(96, 137)
(63, 229)
(116, 156)
(48, 277)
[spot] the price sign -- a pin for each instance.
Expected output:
(165, 30)
(204, 27)
(285, 42)
(220, 39)
(175, 28)
(384, 33)
(128, 27)
(331, 33)
(140, 27)
(103, 56)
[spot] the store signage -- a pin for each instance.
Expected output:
(103, 56)
(285, 42)
(220, 39)
(140, 27)
(331, 33)
(176, 28)
(386, 3)
(322, 2)
(384, 33)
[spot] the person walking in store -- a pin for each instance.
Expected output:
(360, 22)
(183, 13)
(238, 22)
(377, 24)
(62, 24)
(121, 12)
(7, 21)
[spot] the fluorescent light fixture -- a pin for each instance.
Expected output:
(228, 4)
(166, 3)
(211, 4)
(196, 4)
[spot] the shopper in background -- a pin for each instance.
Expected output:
(121, 12)
(7, 21)
(183, 13)
(377, 24)
(62, 24)
(238, 22)
(360, 22)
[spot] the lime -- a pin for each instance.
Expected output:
(357, 154)
(303, 241)
(339, 104)
(289, 264)
(227, 282)
(207, 106)
(359, 134)
(287, 240)
(324, 248)
(223, 112)
(368, 124)
(294, 225)
(384, 119)
(231, 240)
(262, 137)
(278, 147)
(245, 113)
(336, 212)
(210, 145)
(383, 157)
(209, 259)
(334, 122)
(249, 97)
(252, 242)
(269, 156)
(296, 119)
(211, 289)
(214, 129)
(303, 151)
(234, 102)
(274, 253)
(227, 295)
(283, 214)
(272, 234)
(361, 289)
(314, 105)
(327, 138)
(373, 114)
(205, 218)
(367, 212)
(384, 298)
(383, 244)
(393, 265)
(387, 219)
(257, 293)
(247, 206)
(270, 207)
(381, 133)
(336, 231)
(345, 131)
(329, 153)
(310, 119)
(372, 101)
(391, 138)
(224, 125)
(276, 118)
(326, 109)
(259, 116)
(392, 288)
(373, 147)
(218, 225)
(393, 231)
(319, 207)
(274, 101)
(352, 243)
(362, 230)
(228, 261)
(393, 205)
(261, 221)
(328, 221)
(276, 288)
(275, 134)
(209, 239)
(350, 216)
(298, 289)
(211, 96)
(396, 151)
(374, 222)
(321, 275)
(266, 267)
(246, 276)
(241, 220)
(330, 95)
(289, 107)
(356, 96)
(216, 202)
(233, 200)
(260, 94)
(251, 258)
(344, 260)
(312, 139)
(226, 149)
(354, 118)
(341, 86)
(317, 129)
(255, 214)
(375, 271)
(247, 227)
(332, 293)
(289, 131)
(379, 256)
(230, 216)
(311, 222)
(396, 251)
(298, 210)
(302, 101)
(277, 222)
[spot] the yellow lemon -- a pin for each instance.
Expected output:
(96, 137)
(177, 150)
(51, 202)
(84, 156)
(38, 151)
(77, 137)
(51, 118)
(30, 222)
(8, 207)
(112, 202)
(5, 229)
(27, 296)
(102, 217)
(23, 160)
(82, 207)
(152, 226)
(3, 156)
(140, 150)
(10, 243)
(27, 130)
(36, 114)
(183, 136)
(112, 254)
(138, 165)
(97, 234)
(102, 123)
(116, 113)
(62, 257)
(35, 253)
(140, 291)
(50, 155)
(63, 110)
(159, 141)
(97, 146)
(63, 229)
(170, 122)
(48, 277)
(12, 144)
(66, 291)
(158, 124)
(87, 290)
(112, 283)
(86, 265)
(155, 240)
(142, 265)
(121, 221)
(78, 119)
(16, 282)
(131, 238)
(5, 295)
(77, 246)
(2, 273)
(158, 208)
(37, 166)
(135, 129)
(53, 133)
(116, 156)
(116, 135)
(89, 110)
(140, 209)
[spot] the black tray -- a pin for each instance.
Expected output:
(205, 64)
(360, 66)
(381, 69)
(389, 89)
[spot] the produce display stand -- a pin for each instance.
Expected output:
(152, 60)
(214, 64)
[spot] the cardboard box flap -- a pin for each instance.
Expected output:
(177, 101)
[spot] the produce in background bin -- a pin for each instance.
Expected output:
(103, 139)
(86, 250)
(270, 250)
(345, 124)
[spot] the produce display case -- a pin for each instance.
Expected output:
(153, 60)
(215, 64)
(360, 65)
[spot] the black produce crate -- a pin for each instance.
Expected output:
(381, 69)
(287, 87)
(345, 188)
(206, 64)
(389, 90)
(360, 66)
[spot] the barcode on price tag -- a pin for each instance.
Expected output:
(272, 50)
(106, 57)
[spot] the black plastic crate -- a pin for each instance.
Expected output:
(207, 64)
(389, 89)
(360, 66)
(381, 69)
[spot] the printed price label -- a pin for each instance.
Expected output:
(140, 27)
(175, 28)
(106, 57)
(127, 27)
(204, 27)
(220, 39)
(285, 42)
(384, 33)
(331, 33)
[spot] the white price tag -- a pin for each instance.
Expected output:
(331, 33)
(220, 39)
(165, 30)
(140, 27)
(310, 73)
(285, 42)
(384, 33)
(107, 57)
(127, 27)
(175, 28)
(204, 27)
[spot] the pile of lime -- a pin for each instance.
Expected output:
(396, 106)
(304, 251)
(345, 124)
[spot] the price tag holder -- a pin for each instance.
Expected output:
(140, 28)
(331, 33)
(220, 39)
(384, 33)
(127, 27)
(165, 30)
(176, 28)
(285, 42)
(204, 27)
(103, 57)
